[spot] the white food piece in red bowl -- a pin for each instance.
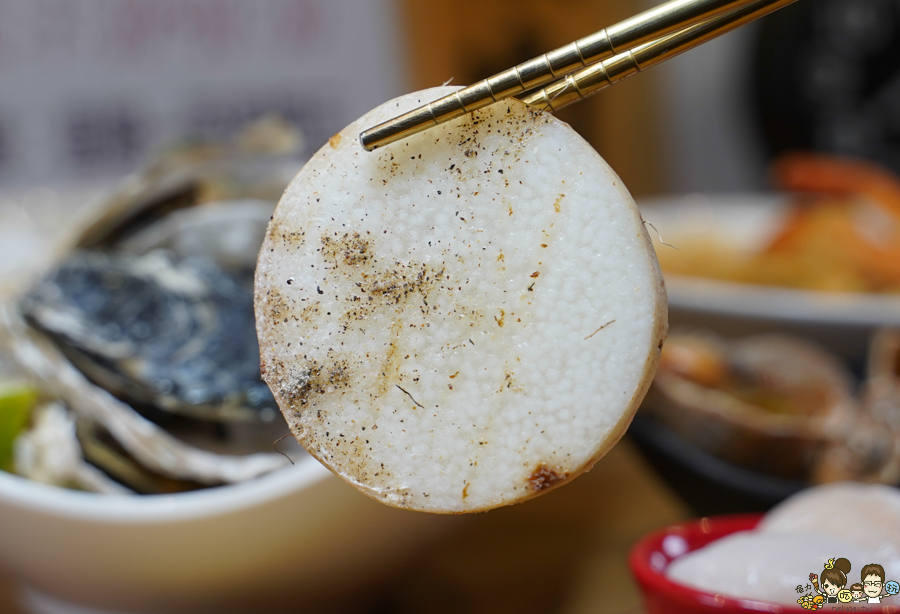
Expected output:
(867, 515)
(762, 566)
(748, 563)
(464, 319)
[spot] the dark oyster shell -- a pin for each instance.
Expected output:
(175, 335)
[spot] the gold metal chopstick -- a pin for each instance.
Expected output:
(599, 76)
(644, 27)
(664, 19)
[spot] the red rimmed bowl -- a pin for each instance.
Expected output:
(653, 553)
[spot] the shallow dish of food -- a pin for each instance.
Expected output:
(693, 227)
(817, 257)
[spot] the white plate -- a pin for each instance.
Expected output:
(842, 322)
(747, 221)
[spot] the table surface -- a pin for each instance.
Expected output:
(561, 553)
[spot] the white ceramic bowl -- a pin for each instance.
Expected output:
(278, 539)
(282, 538)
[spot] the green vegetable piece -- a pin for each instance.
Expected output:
(16, 403)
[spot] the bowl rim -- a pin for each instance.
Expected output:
(707, 529)
(28, 495)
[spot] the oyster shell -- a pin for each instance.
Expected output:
(769, 403)
(50, 453)
(870, 450)
(174, 335)
(866, 452)
(882, 386)
(147, 442)
(153, 311)
(199, 174)
(229, 233)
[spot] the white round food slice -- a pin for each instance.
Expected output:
(461, 320)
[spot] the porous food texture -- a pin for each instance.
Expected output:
(461, 320)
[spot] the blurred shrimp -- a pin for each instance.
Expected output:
(845, 227)
(814, 172)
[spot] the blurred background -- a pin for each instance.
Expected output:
(93, 88)
(93, 91)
